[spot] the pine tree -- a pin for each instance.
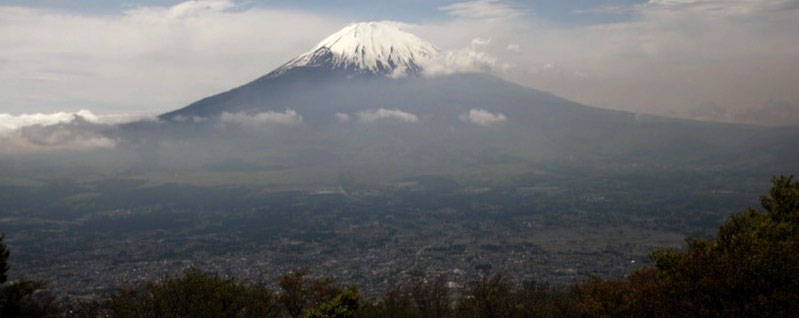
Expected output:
(4, 254)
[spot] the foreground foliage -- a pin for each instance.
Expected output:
(750, 269)
(4, 255)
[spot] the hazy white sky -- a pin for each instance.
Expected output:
(734, 60)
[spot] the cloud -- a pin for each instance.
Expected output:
(287, 117)
(465, 60)
(67, 136)
(480, 42)
(199, 7)
(734, 8)
(191, 119)
(342, 117)
(484, 9)
(482, 117)
(81, 130)
(151, 59)
(772, 112)
(514, 48)
(395, 114)
(10, 123)
(718, 8)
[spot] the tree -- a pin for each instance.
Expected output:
(345, 305)
(300, 292)
(413, 297)
(4, 255)
(431, 297)
(23, 298)
(489, 296)
(196, 294)
(539, 300)
(750, 269)
(28, 299)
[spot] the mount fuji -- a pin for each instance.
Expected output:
(362, 67)
(362, 98)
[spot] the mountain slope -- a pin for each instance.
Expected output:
(367, 66)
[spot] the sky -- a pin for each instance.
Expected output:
(723, 60)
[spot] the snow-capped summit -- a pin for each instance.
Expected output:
(368, 47)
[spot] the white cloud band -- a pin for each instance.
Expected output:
(395, 114)
(287, 117)
(482, 117)
(81, 130)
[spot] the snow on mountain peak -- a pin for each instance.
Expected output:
(369, 47)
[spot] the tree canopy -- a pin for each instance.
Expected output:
(4, 255)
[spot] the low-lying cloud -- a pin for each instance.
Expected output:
(9, 122)
(382, 114)
(81, 130)
(65, 136)
(772, 112)
(287, 117)
(482, 117)
(342, 117)
(470, 59)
